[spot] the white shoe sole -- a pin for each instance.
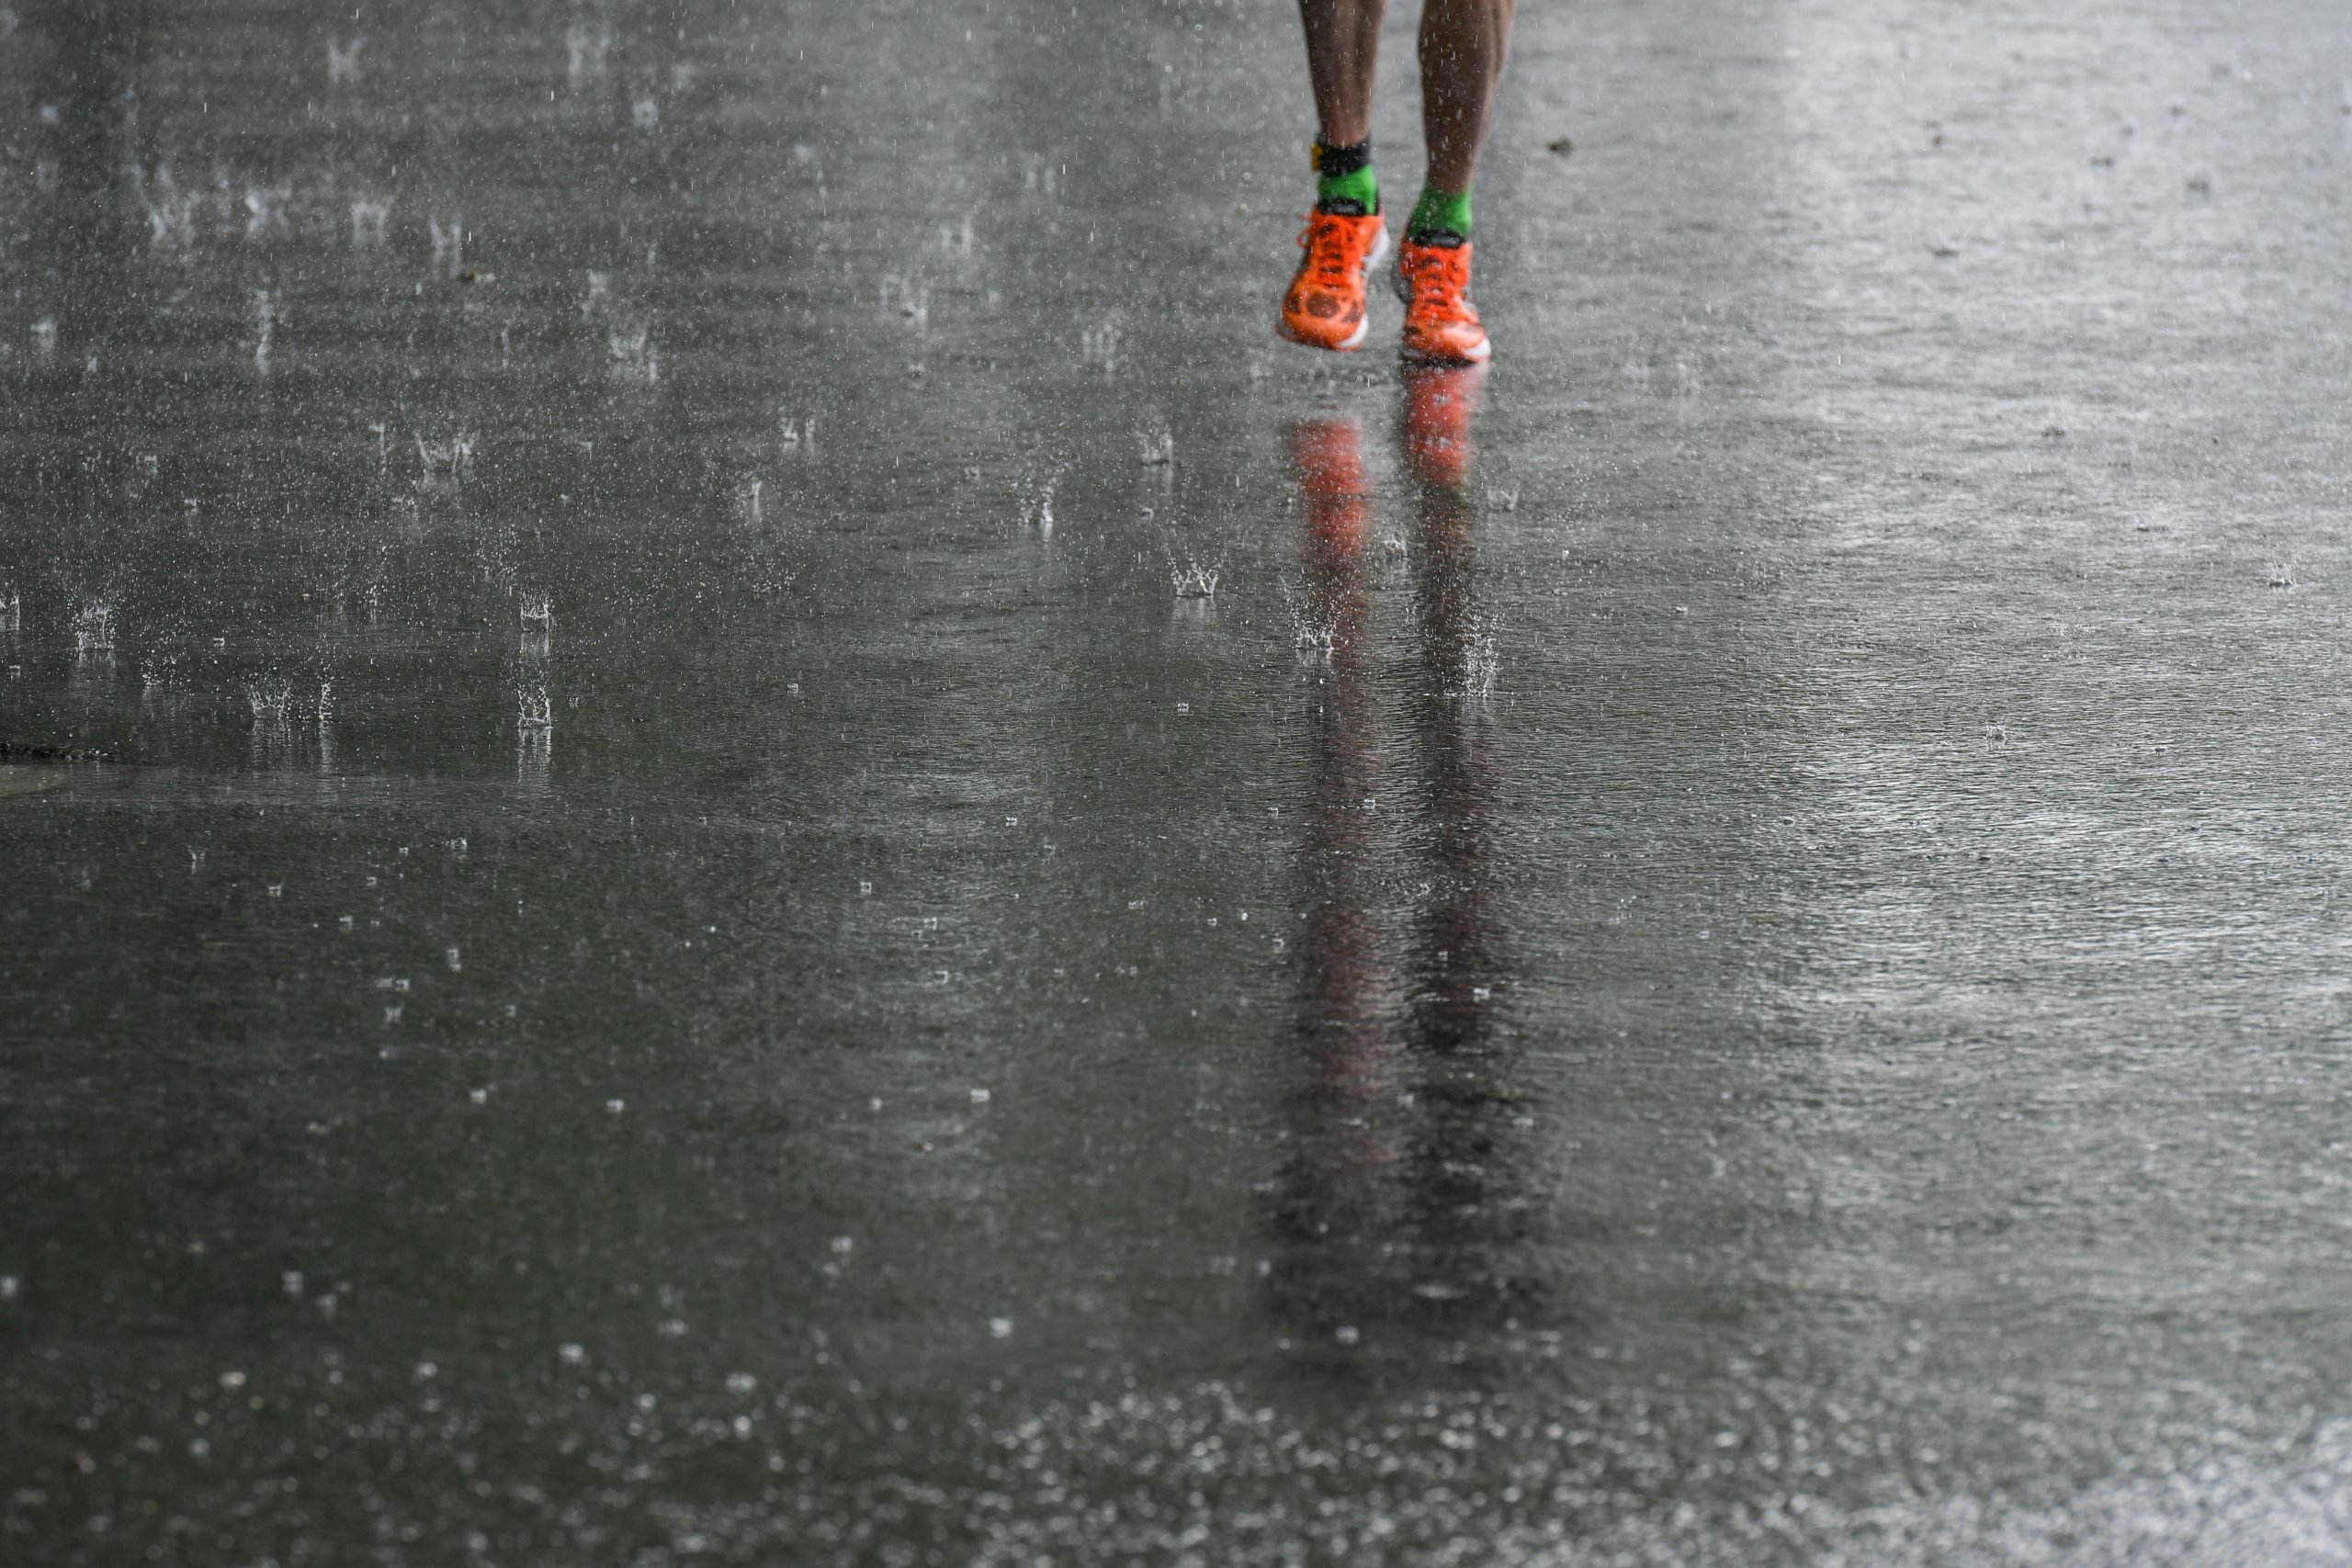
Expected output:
(1479, 355)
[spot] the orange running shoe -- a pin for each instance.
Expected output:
(1325, 307)
(1441, 324)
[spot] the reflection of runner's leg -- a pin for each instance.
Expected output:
(1439, 401)
(1463, 43)
(1345, 236)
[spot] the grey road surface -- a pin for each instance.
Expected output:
(735, 832)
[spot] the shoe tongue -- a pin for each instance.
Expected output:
(1342, 207)
(1443, 239)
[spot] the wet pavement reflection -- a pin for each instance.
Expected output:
(732, 830)
(1402, 1219)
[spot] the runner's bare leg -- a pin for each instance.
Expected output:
(1342, 56)
(1463, 43)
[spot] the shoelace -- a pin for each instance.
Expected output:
(1435, 290)
(1332, 262)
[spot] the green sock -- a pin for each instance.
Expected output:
(1440, 217)
(1343, 179)
(1360, 187)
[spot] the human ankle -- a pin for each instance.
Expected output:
(1439, 218)
(1344, 182)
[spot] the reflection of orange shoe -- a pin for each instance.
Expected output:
(1441, 324)
(1327, 456)
(1324, 305)
(1438, 402)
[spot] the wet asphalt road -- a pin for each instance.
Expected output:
(807, 862)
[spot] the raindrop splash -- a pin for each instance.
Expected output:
(444, 463)
(1038, 510)
(1481, 659)
(448, 244)
(633, 358)
(265, 210)
(370, 217)
(264, 305)
(171, 213)
(584, 53)
(271, 701)
(1099, 346)
(92, 628)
